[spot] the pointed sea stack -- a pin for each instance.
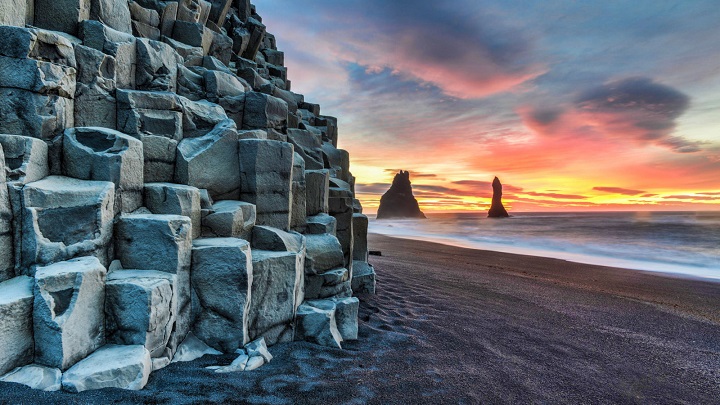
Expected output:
(398, 201)
(496, 209)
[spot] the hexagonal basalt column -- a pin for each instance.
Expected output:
(93, 153)
(64, 218)
(162, 243)
(266, 173)
(68, 313)
(140, 308)
(221, 278)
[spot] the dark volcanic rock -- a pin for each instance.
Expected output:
(496, 209)
(398, 201)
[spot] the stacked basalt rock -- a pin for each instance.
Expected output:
(162, 190)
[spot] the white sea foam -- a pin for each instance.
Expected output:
(686, 243)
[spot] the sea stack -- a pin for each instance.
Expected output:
(398, 201)
(496, 209)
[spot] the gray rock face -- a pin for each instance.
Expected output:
(162, 243)
(211, 162)
(115, 14)
(317, 185)
(273, 239)
(263, 111)
(36, 115)
(36, 377)
(341, 209)
(156, 68)
(16, 328)
(360, 229)
(103, 154)
(64, 218)
(221, 278)
(160, 140)
(26, 158)
(120, 45)
(317, 325)
(175, 199)
(320, 224)
(13, 12)
(7, 262)
(95, 104)
(323, 253)
(363, 278)
(140, 308)
(37, 76)
(266, 180)
(62, 15)
(68, 315)
(275, 295)
(230, 218)
(299, 192)
(112, 366)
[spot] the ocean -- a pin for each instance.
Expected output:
(686, 243)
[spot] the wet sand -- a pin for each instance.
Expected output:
(454, 325)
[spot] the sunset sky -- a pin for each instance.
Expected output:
(572, 104)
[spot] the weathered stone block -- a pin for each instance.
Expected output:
(339, 160)
(298, 214)
(68, 313)
(341, 209)
(36, 377)
(200, 117)
(309, 146)
(140, 308)
(320, 224)
(36, 115)
(94, 153)
(7, 262)
(64, 218)
(275, 295)
(62, 15)
(37, 76)
(211, 162)
(317, 185)
(156, 66)
(346, 317)
(175, 199)
(95, 103)
(159, 154)
(162, 243)
(113, 366)
(363, 278)
(16, 328)
(221, 279)
(113, 13)
(230, 218)
(263, 111)
(33, 43)
(317, 325)
(266, 180)
(12, 12)
(360, 229)
(323, 253)
(120, 45)
(327, 284)
(273, 239)
(26, 158)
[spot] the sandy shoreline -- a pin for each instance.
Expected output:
(454, 325)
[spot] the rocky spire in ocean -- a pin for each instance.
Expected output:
(398, 201)
(496, 209)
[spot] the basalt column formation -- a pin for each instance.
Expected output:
(162, 189)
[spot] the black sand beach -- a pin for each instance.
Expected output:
(453, 325)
